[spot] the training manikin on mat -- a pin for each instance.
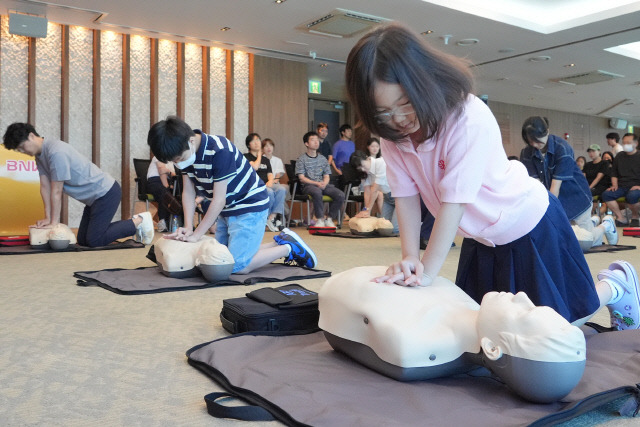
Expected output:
(185, 266)
(438, 338)
(417, 333)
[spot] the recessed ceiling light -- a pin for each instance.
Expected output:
(426, 33)
(324, 65)
(280, 1)
(225, 28)
(506, 50)
(538, 87)
(501, 79)
(467, 42)
(570, 65)
(541, 58)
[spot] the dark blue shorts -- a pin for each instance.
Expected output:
(632, 196)
(547, 264)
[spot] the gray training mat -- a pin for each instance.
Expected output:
(301, 380)
(27, 249)
(147, 280)
(610, 248)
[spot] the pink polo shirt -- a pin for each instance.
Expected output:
(467, 164)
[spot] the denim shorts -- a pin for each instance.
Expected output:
(243, 235)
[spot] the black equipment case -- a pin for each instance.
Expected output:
(288, 309)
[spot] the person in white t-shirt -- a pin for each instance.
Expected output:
(277, 169)
(376, 181)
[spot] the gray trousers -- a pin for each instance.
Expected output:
(316, 194)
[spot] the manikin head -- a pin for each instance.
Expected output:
(516, 335)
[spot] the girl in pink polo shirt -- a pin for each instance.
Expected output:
(442, 144)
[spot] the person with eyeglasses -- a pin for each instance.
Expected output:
(443, 145)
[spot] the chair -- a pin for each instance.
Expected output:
(299, 197)
(351, 179)
(296, 196)
(141, 167)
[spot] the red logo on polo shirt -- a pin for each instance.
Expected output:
(441, 164)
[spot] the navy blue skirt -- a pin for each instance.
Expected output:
(547, 264)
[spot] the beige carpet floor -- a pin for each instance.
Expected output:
(74, 356)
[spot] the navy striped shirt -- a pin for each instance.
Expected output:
(218, 159)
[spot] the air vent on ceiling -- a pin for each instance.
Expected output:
(588, 78)
(343, 23)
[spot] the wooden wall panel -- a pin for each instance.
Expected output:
(583, 130)
(280, 104)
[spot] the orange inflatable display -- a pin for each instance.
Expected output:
(19, 193)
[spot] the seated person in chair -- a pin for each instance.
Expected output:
(262, 165)
(625, 181)
(62, 169)
(313, 173)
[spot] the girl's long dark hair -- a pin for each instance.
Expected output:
(437, 84)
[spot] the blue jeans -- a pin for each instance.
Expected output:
(96, 228)
(276, 199)
(389, 211)
(242, 234)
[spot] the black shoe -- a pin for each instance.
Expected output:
(621, 224)
(635, 222)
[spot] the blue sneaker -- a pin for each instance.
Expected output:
(300, 253)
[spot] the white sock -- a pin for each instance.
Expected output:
(617, 292)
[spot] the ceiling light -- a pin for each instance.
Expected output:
(506, 50)
(569, 65)
(541, 58)
(632, 50)
(280, 1)
(538, 87)
(426, 33)
(225, 28)
(324, 65)
(467, 42)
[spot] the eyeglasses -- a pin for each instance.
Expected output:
(400, 111)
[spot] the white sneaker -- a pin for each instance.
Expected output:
(319, 223)
(162, 226)
(145, 229)
(271, 226)
(610, 232)
(596, 220)
(625, 313)
(329, 223)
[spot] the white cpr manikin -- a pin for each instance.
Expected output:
(180, 259)
(417, 333)
(39, 237)
(370, 225)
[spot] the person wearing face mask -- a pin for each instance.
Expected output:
(63, 169)
(213, 166)
(625, 181)
(549, 158)
(442, 144)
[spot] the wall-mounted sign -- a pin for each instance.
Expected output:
(315, 86)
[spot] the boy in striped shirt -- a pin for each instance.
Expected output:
(239, 200)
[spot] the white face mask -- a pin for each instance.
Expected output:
(628, 148)
(186, 163)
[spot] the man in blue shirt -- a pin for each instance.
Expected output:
(239, 200)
